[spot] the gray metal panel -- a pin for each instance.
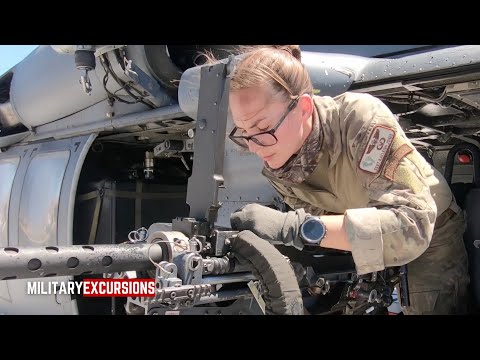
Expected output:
(40, 199)
(361, 50)
(332, 74)
(13, 297)
(13, 139)
(8, 169)
(438, 60)
(209, 140)
(45, 87)
(242, 173)
(77, 148)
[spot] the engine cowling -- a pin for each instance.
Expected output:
(44, 87)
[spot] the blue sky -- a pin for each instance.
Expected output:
(13, 54)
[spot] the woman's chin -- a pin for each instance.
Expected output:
(274, 164)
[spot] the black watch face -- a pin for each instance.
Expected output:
(313, 230)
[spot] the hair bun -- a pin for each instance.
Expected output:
(294, 50)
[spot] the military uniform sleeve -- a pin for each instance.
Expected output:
(397, 225)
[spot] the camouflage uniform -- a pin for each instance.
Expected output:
(398, 209)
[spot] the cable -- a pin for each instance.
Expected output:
(124, 86)
(415, 97)
(105, 81)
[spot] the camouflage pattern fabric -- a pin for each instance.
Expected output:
(438, 279)
(367, 169)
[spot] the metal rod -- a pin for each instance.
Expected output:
(140, 118)
(225, 296)
(228, 278)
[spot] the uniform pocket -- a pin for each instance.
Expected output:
(422, 303)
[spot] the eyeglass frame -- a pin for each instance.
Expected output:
(291, 106)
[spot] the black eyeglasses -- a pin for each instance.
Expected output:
(266, 138)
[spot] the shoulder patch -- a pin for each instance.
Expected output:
(397, 156)
(377, 149)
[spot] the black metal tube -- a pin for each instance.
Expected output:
(25, 263)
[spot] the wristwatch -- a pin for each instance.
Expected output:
(312, 230)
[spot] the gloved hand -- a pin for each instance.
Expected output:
(272, 225)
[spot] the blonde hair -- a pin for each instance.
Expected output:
(279, 66)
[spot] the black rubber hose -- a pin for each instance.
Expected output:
(282, 294)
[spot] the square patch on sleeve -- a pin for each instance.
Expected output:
(377, 149)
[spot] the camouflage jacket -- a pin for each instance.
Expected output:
(358, 162)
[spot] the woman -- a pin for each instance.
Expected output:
(346, 161)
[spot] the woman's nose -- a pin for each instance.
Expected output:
(252, 146)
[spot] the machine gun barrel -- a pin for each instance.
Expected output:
(33, 262)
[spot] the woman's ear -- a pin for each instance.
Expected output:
(305, 106)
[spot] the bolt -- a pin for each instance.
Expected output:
(209, 266)
(110, 114)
